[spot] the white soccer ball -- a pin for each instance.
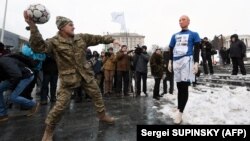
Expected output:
(39, 13)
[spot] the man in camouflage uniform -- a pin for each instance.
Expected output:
(74, 71)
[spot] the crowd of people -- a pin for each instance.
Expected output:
(69, 69)
(114, 71)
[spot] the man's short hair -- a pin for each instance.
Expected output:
(124, 46)
(157, 49)
(144, 47)
(110, 48)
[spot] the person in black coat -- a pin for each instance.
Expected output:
(206, 53)
(156, 65)
(50, 77)
(140, 62)
(96, 64)
(15, 75)
(31, 64)
(224, 55)
(237, 53)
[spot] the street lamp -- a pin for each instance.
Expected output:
(4, 19)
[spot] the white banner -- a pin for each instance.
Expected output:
(118, 17)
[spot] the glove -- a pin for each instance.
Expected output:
(195, 67)
(170, 66)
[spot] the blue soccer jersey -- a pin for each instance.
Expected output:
(183, 43)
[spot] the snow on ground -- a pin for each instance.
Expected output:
(206, 105)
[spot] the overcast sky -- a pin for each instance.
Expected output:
(156, 19)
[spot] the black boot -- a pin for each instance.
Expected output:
(156, 98)
(163, 93)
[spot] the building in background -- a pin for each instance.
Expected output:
(13, 41)
(129, 39)
(244, 38)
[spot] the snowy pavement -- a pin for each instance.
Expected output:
(206, 105)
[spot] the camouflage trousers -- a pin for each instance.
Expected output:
(64, 96)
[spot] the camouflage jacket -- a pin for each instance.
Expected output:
(70, 55)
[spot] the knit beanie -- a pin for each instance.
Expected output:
(62, 21)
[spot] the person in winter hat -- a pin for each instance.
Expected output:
(69, 50)
(237, 53)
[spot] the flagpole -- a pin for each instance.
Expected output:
(126, 32)
(106, 46)
(4, 19)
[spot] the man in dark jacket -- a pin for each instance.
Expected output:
(141, 59)
(156, 65)
(97, 66)
(237, 53)
(224, 55)
(206, 52)
(14, 77)
(50, 77)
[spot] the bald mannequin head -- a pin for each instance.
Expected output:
(184, 21)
